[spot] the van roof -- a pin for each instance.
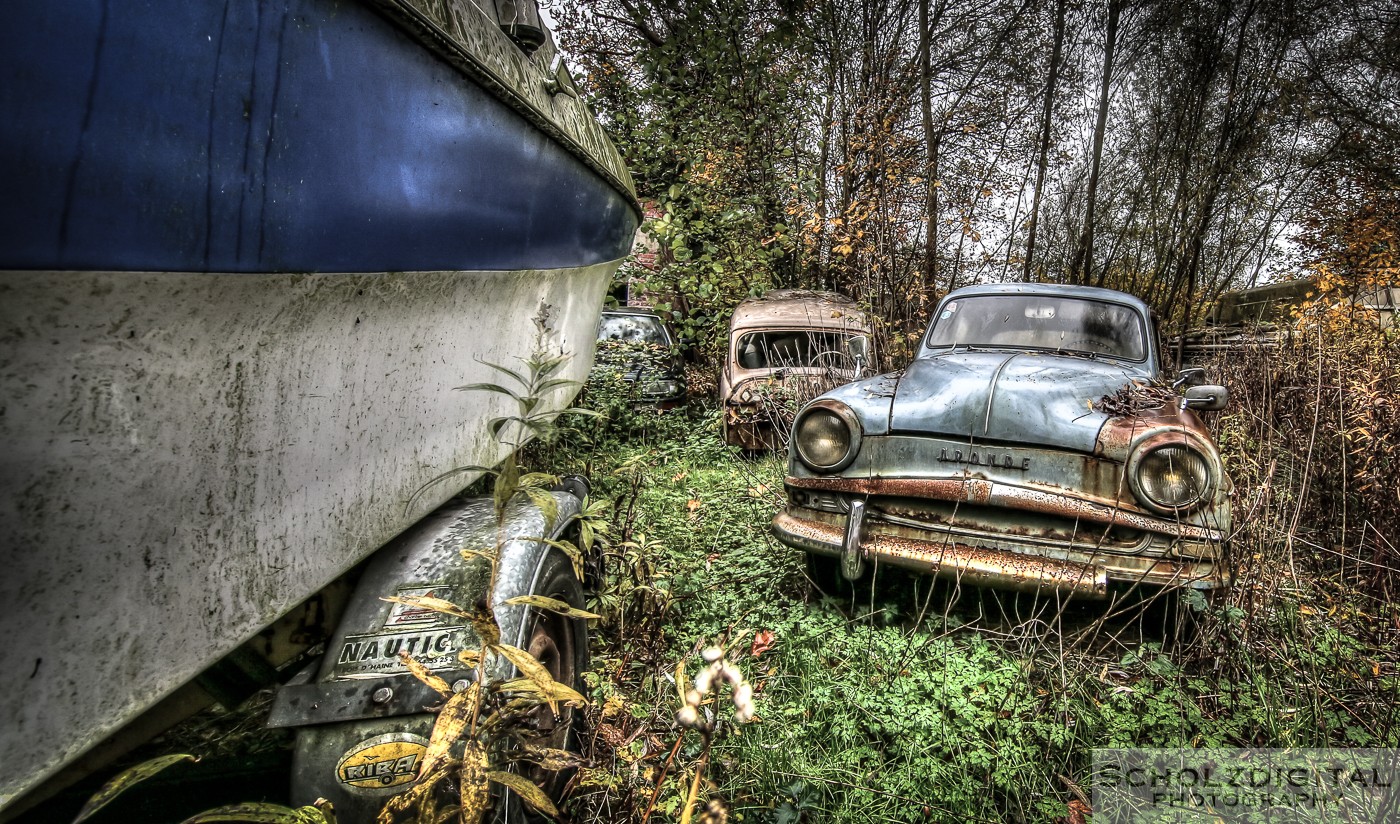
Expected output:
(799, 307)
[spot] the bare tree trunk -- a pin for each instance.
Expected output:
(823, 172)
(1043, 160)
(1084, 254)
(930, 272)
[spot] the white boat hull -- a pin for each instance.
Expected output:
(184, 457)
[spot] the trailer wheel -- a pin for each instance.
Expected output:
(561, 645)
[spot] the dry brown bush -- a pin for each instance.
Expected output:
(1313, 441)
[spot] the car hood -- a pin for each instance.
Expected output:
(634, 361)
(1013, 397)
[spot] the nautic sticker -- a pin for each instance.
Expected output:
(382, 762)
(373, 656)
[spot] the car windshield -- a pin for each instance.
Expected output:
(1060, 324)
(794, 348)
(632, 329)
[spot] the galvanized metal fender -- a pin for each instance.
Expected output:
(362, 718)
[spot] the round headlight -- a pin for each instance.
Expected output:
(827, 436)
(1172, 477)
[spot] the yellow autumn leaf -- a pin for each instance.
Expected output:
(528, 666)
(528, 792)
(450, 727)
(486, 629)
(428, 602)
(553, 691)
(127, 779)
(551, 604)
(424, 674)
(475, 787)
(419, 798)
(262, 813)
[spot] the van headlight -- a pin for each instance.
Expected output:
(1171, 475)
(826, 436)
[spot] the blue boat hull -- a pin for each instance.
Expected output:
(275, 136)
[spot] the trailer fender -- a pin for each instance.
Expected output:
(363, 720)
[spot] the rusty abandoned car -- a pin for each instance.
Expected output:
(1032, 444)
(785, 348)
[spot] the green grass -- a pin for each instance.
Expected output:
(914, 702)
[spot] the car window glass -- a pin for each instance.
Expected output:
(1039, 322)
(632, 329)
(794, 348)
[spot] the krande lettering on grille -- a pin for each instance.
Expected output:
(988, 458)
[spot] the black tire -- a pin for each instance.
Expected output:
(825, 579)
(561, 645)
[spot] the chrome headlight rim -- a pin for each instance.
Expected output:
(841, 412)
(1175, 440)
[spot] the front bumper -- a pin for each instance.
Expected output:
(981, 558)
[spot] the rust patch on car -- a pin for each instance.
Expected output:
(978, 566)
(1118, 433)
(1083, 571)
(988, 493)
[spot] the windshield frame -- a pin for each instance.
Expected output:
(845, 334)
(1144, 346)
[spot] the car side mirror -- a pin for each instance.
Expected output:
(1206, 398)
(859, 349)
(1193, 376)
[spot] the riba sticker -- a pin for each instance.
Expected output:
(382, 762)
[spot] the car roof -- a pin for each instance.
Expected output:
(1050, 289)
(799, 307)
(632, 310)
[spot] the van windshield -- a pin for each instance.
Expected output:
(786, 349)
(1041, 322)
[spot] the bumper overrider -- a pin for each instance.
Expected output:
(1002, 532)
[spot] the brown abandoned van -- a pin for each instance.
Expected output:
(785, 348)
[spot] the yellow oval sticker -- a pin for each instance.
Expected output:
(383, 761)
